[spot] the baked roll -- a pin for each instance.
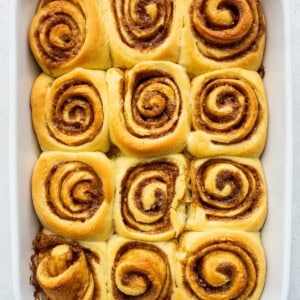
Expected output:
(72, 194)
(139, 270)
(227, 192)
(65, 270)
(229, 114)
(220, 264)
(71, 112)
(150, 197)
(66, 34)
(149, 114)
(222, 34)
(143, 30)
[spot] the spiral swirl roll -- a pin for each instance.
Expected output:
(150, 197)
(65, 270)
(71, 112)
(229, 114)
(140, 270)
(149, 109)
(222, 34)
(228, 192)
(221, 265)
(72, 194)
(143, 30)
(65, 34)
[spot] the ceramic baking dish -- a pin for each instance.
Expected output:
(277, 158)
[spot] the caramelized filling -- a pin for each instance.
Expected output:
(77, 111)
(73, 200)
(61, 33)
(155, 107)
(149, 188)
(143, 24)
(144, 270)
(228, 108)
(234, 272)
(44, 245)
(244, 184)
(229, 30)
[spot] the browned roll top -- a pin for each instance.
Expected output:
(227, 28)
(221, 269)
(143, 24)
(155, 106)
(74, 191)
(76, 111)
(141, 271)
(63, 270)
(227, 107)
(61, 32)
(226, 189)
(147, 193)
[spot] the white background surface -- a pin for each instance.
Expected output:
(5, 275)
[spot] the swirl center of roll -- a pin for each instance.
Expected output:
(226, 28)
(143, 24)
(223, 21)
(60, 260)
(155, 106)
(61, 31)
(226, 189)
(225, 183)
(141, 271)
(60, 36)
(74, 191)
(227, 108)
(75, 115)
(151, 105)
(221, 270)
(148, 201)
(147, 193)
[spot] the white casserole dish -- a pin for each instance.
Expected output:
(277, 158)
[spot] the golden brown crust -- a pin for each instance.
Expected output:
(65, 34)
(72, 194)
(229, 114)
(139, 270)
(65, 270)
(143, 30)
(149, 113)
(227, 192)
(150, 197)
(220, 34)
(220, 264)
(71, 112)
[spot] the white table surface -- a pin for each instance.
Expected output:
(5, 274)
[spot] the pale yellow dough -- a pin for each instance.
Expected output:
(66, 34)
(229, 114)
(70, 113)
(149, 108)
(150, 197)
(220, 265)
(227, 192)
(72, 194)
(140, 270)
(64, 273)
(136, 35)
(227, 39)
